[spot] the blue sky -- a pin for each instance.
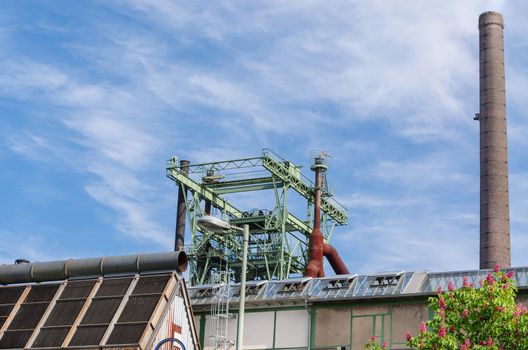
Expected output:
(95, 96)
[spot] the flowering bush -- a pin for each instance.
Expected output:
(473, 318)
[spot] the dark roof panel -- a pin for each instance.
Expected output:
(5, 310)
(114, 287)
(88, 335)
(41, 293)
(150, 284)
(77, 289)
(10, 295)
(51, 337)
(139, 308)
(15, 339)
(127, 333)
(64, 313)
(101, 310)
(28, 316)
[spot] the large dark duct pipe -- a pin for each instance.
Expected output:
(180, 211)
(335, 260)
(494, 197)
(91, 267)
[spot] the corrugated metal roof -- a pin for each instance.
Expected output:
(120, 311)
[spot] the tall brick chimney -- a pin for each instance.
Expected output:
(494, 197)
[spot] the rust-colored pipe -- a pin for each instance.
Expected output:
(335, 260)
(208, 207)
(318, 248)
(315, 264)
(180, 211)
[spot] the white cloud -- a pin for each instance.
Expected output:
(27, 245)
(217, 82)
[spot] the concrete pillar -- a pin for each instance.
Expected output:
(494, 198)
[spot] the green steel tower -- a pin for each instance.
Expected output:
(278, 245)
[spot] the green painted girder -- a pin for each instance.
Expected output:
(223, 165)
(220, 203)
(243, 188)
(241, 182)
(204, 192)
(281, 171)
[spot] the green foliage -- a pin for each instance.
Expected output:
(473, 318)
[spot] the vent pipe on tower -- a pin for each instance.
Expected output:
(315, 264)
(494, 198)
(180, 211)
(318, 248)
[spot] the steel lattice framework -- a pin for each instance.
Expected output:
(278, 238)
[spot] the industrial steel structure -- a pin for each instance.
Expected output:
(279, 239)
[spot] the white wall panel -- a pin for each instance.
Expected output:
(258, 330)
(292, 329)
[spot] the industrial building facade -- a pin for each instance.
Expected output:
(338, 312)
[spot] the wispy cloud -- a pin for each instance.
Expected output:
(389, 89)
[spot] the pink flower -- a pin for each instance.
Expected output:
(465, 313)
(490, 342)
(510, 274)
(451, 286)
(423, 327)
(438, 290)
(519, 310)
(496, 268)
(408, 336)
(505, 286)
(442, 332)
(441, 303)
(465, 283)
(467, 342)
(384, 345)
(452, 329)
(490, 279)
(472, 285)
(373, 338)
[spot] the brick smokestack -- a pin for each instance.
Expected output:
(494, 197)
